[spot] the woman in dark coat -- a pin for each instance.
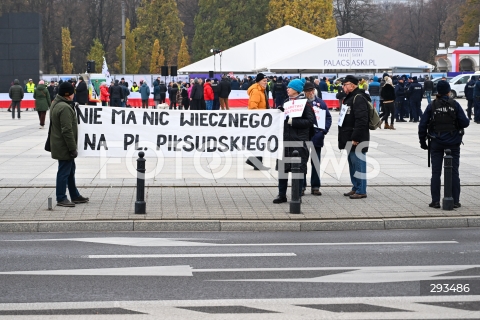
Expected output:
(185, 99)
(296, 132)
(196, 96)
(172, 96)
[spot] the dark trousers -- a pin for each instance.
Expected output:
(283, 184)
(279, 102)
(406, 109)
(115, 102)
(163, 96)
(104, 103)
(144, 104)
(15, 104)
(186, 103)
(216, 103)
(173, 104)
(389, 110)
(469, 108)
(476, 110)
(437, 152)
(415, 110)
(194, 104)
(66, 178)
(41, 117)
(400, 109)
(315, 154)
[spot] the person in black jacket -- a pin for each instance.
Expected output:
(163, 91)
(81, 92)
(172, 95)
(51, 90)
(216, 90)
(280, 90)
(469, 88)
(223, 92)
(185, 99)
(415, 91)
(196, 96)
(354, 135)
(296, 132)
(116, 95)
(388, 96)
(428, 88)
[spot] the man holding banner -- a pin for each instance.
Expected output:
(299, 119)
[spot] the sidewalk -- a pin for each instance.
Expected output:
(220, 196)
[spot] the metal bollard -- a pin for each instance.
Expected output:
(295, 203)
(50, 203)
(447, 185)
(140, 204)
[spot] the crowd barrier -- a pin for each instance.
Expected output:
(237, 99)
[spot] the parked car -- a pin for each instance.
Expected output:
(435, 81)
(457, 84)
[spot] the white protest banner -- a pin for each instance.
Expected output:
(321, 116)
(119, 132)
(343, 112)
(294, 108)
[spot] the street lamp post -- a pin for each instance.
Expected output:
(215, 52)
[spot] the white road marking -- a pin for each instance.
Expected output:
(361, 274)
(172, 242)
(157, 271)
(288, 309)
(192, 255)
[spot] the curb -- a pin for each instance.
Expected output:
(239, 225)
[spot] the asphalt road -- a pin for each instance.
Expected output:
(389, 274)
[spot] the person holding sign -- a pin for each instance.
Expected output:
(353, 132)
(257, 100)
(319, 130)
(296, 132)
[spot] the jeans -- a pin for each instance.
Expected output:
(376, 102)
(358, 171)
(428, 94)
(315, 175)
(437, 151)
(283, 184)
(209, 104)
(15, 104)
(66, 177)
(216, 104)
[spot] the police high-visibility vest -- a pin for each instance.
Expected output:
(134, 89)
(31, 87)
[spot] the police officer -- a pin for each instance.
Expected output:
(443, 122)
(280, 92)
(476, 102)
(407, 113)
(399, 100)
(469, 88)
(416, 95)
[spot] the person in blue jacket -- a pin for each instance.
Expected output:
(374, 91)
(469, 89)
(317, 140)
(443, 123)
(415, 91)
(323, 84)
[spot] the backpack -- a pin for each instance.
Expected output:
(374, 121)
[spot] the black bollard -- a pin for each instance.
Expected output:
(295, 203)
(447, 185)
(140, 204)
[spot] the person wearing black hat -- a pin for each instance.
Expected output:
(63, 145)
(415, 91)
(400, 100)
(443, 125)
(116, 95)
(354, 135)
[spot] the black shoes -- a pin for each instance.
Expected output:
(435, 205)
(457, 205)
(80, 200)
(65, 203)
(280, 199)
(259, 167)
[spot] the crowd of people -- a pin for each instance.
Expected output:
(441, 126)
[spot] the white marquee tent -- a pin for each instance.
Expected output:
(256, 54)
(290, 50)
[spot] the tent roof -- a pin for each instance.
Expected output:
(269, 47)
(346, 52)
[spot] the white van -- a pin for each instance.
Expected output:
(458, 83)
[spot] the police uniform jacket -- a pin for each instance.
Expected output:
(415, 91)
(447, 138)
(469, 88)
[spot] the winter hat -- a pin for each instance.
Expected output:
(41, 82)
(297, 85)
(443, 87)
(66, 89)
(308, 86)
(260, 77)
(351, 79)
